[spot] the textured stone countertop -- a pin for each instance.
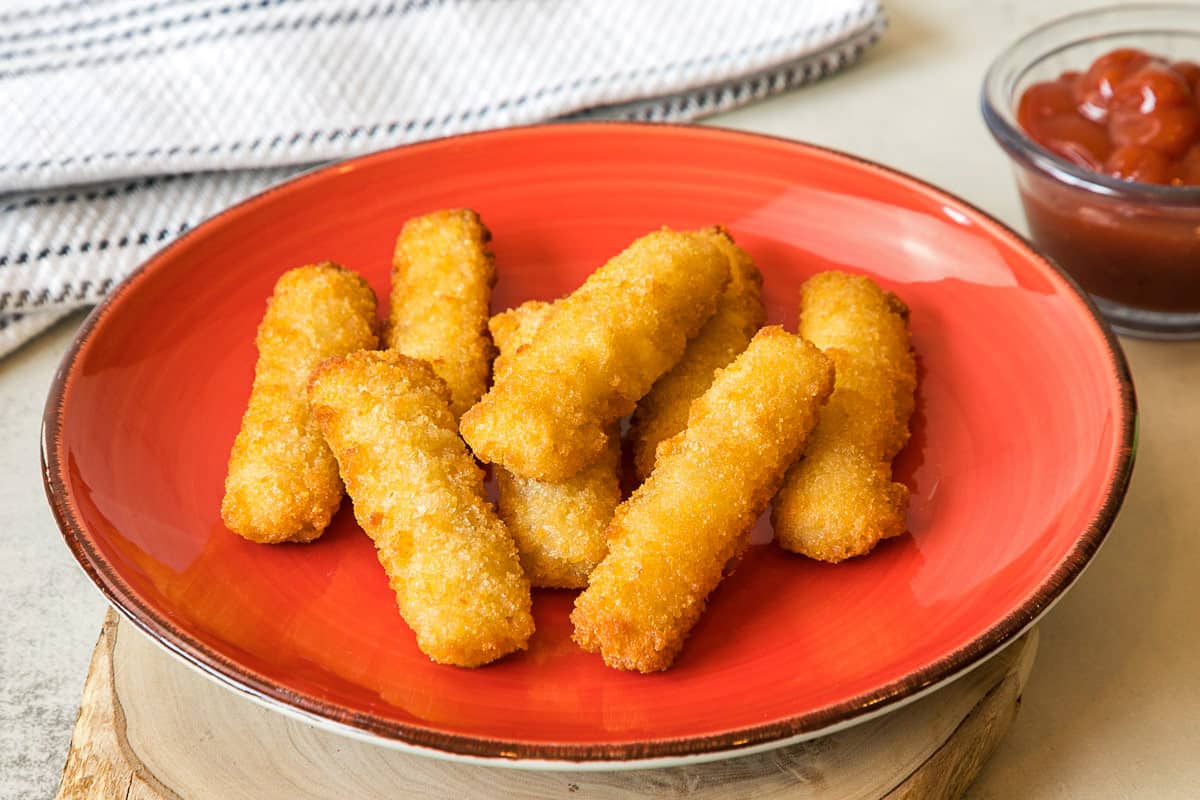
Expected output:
(1113, 706)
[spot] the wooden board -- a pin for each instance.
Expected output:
(150, 728)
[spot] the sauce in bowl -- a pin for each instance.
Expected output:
(1135, 117)
(1130, 115)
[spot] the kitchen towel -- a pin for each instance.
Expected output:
(127, 122)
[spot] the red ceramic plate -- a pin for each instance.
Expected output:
(1021, 451)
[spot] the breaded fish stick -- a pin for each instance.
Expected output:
(418, 494)
(740, 313)
(282, 484)
(442, 278)
(671, 540)
(559, 528)
(839, 500)
(597, 355)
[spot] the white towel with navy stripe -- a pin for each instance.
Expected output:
(124, 123)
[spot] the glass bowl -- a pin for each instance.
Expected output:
(1134, 247)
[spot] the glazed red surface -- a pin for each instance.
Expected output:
(1018, 436)
(1130, 115)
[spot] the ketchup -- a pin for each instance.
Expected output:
(1135, 117)
(1130, 115)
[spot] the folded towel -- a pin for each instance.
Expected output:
(130, 121)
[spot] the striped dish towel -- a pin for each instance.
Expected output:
(126, 122)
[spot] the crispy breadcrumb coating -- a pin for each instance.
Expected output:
(597, 355)
(419, 494)
(672, 539)
(740, 313)
(559, 528)
(282, 484)
(513, 330)
(839, 500)
(442, 278)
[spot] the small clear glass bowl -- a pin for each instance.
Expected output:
(1134, 247)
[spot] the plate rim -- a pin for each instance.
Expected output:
(643, 753)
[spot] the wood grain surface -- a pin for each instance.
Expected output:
(150, 728)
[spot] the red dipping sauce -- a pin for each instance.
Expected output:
(1131, 115)
(1134, 117)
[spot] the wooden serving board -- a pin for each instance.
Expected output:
(151, 728)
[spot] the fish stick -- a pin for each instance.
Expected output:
(597, 355)
(419, 495)
(282, 482)
(442, 278)
(559, 528)
(513, 330)
(740, 313)
(839, 500)
(670, 542)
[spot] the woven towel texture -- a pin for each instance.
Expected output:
(127, 122)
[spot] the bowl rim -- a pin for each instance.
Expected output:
(641, 754)
(998, 114)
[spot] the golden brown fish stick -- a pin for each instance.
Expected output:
(852, 314)
(597, 355)
(282, 484)
(840, 500)
(442, 278)
(419, 494)
(513, 330)
(559, 528)
(670, 541)
(740, 313)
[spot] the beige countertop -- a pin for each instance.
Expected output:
(1113, 707)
